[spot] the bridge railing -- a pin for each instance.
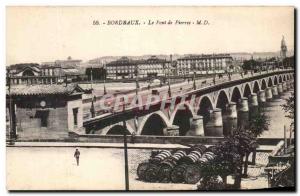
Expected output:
(189, 88)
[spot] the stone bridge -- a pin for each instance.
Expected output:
(199, 106)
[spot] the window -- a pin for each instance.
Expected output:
(75, 114)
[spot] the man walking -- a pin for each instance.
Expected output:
(76, 155)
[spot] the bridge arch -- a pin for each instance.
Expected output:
(182, 106)
(117, 130)
(256, 87)
(247, 90)
(263, 84)
(222, 100)
(205, 105)
(275, 80)
(270, 82)
(280, 79)
(236, 95)
(181, 117)
(153, 124)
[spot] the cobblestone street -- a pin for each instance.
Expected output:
(99, 169)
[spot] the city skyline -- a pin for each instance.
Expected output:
(54, 37)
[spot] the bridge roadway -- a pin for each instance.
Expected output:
(203, 86)
(176, 89)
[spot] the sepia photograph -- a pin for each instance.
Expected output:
(150, 98)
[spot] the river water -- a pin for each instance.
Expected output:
(277, 118)
(273, 111)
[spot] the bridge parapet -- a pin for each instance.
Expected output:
(234, 89)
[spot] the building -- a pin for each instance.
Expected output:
(25, 69)
(28, 73)
(204, 64)
(69, 68)
(153, 67)
(268, 63)
(128, 68)
(45, 111)
(46, 73)
(95, 72)
(283, 48)
(121, 68)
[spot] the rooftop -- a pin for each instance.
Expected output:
(128, 61)
(205, 56)
(20, 67)
(44, 89)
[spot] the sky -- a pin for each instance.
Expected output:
(39, 34)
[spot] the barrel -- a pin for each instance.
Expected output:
(141, 170)
(147, 171)
(209, 156)
(192, 157)
(151, 171)
(192, 173)
(199, 147)
(168, 164)
(162, 155)
(177, 174)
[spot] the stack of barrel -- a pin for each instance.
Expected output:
(178, 173)
(168, 165)
(148, 171)
(192, 173)
(183, 166)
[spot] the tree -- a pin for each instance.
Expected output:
(289, 108)
(229, 159)
(259, 122)
(245, 141)
(250, 64)
(230, 154)
(211, 183)
(289, 61)
(226, 160)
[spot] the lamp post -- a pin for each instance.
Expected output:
(12, 114)
(215, 75)
(104, 79)
(137, 86)
(260, 66)
(251, 65)
(169, 85)
(92, 110)
(125, 151)
(91, 78)
(194, 75)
